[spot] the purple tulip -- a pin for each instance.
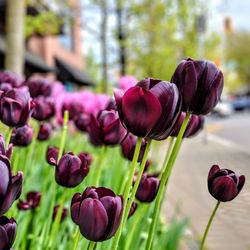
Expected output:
(12, 78)
(44, 108)
(82, 121)
(132, 209)
(97, 212)
(52, 155)
(195, 125)
(3, 151)
(32, 201)
(15, 107)
(22, 136)
(64, 213)
(223, 184)
(111, 105)
(10, 186)
(4, 87)
(106, 129)
(8, 229)
(39, 87)
(148, 188)
(45, 131)
(150, 109)
(71, 170)
(85, 156)
(200, 84)
(74, 107)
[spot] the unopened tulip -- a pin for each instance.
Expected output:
(12, 78)
(150, 109)
(15, 107)
(10, 187)
(148, 188)
(132, 209)
(85, 156)
(3, 151)
(223, 184)
(71, 170)
(52, 155)
(44, 108)
(200, 84)
(32, 201)
(106, 129)
(74, 107)
(39, 87)
(64, 213)
(97, 212)
(195, 125)
(45, 131)
(8, 230)
(22, 136)
(82, 121)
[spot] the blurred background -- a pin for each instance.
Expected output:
(91, 44)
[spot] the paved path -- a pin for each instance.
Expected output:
(188, 191)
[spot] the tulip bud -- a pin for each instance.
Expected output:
(64, 213)
(8, 229)
(82, 121)
(11, 186)
(106, 129)
(195, 125)
(12, 78)
(150, 109)
(85, 156)
(3, 151)
(45, 131)
(223, 184)
(15, 107)
(148, 188)
(44, 109)
(52, 155)
(74, 108)
(4, 87)
(32, 201)
(97, 212)
(22, 136)
(132, 209)
(200, 84)
(71, 170)
(39, 87)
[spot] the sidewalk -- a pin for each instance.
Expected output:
(188, 191)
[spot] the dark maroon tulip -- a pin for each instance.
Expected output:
(32, 201)
(64, 213)
(82, 121)
(111, 105)
(195, 125)
(44, 108)
(200, 84)
(15, 107)
(8, 229)
(4, 87)
(22, 136)
(85, 156)
(3, 151)
(71, 170)
(12, 78)
(128, 147)
(10, 186)
(223, 184)
(39, 87)
(132, 209)
(52, 155)
(106, 129)
(148, 188)
(97, 212)
(74, 108)
(150, 109)
(45, 131)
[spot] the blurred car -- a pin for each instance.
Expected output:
(241, 103)
(223, 109)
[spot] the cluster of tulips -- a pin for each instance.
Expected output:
(44, 125)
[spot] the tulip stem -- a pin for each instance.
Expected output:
(64, 134)
(165, 176)
(91, 245)
(208, 225)
(100, 166)
(127, 190)
(8, 136)
(76, 239)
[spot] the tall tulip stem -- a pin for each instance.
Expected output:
(91, 245)
(76, 239)
(127, 190)
(8, 136)
(208, 225)
(100, 166)
(64, 133)
(167, 170)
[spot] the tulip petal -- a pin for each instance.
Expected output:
(5, 175)
(242, 179)
(94, 131)
(141, 111)
(10, 229)
(101, 191)
(4, 238)
(118, 94)
(214, 169)
(93, 219)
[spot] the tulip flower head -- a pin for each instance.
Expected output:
(223, 184)
(82, 121)
(22, 136)
(150, 109)
(200, 84)
(8, 230)
(32, 201)
(52, 155)
(11, 186)
(64, 213)
(97, 212)
(45, 131)
(39, 87)
(44, 108)
(12, 78)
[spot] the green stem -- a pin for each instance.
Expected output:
(208, 225)
(91, 245)
(64, 134)
(76, 239)
(163, 181)
(8, 136)
(100, 166)
(127, 189)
